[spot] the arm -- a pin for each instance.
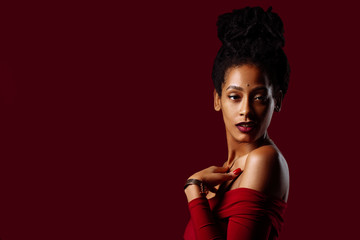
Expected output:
(211, 176)
(205, 225)
(260, 169)
(247, 221)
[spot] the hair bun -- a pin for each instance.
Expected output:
(250, 25)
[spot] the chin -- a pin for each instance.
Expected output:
(247, 137)
(241, 137)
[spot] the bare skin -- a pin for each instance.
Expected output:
(247, 95)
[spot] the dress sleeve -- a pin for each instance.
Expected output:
(205, 225)
(245, 222)
(242, 227)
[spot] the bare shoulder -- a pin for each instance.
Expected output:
(266, 171)
(265, 156)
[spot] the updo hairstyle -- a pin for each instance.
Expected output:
(252, 36)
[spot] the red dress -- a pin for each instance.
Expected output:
(240, 214)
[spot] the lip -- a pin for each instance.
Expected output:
(246, 127)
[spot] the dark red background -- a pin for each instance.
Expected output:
(106, 109)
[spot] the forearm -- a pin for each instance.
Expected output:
(192, 192)
(206, 227)
(210, 177)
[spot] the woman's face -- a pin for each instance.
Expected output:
(247, 103)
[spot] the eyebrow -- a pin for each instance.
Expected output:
(241, 89)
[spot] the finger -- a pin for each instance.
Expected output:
(229, 176)
(212, 189)
(235, 173)
(215, 178)
(218, 178)
(221, 169)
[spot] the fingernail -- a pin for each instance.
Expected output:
(237, 171)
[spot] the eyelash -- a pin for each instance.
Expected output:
(261, 98)
(235, 97)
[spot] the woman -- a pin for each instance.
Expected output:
(248, 194)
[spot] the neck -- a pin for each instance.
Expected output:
(238, 149)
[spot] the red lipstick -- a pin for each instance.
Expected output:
(246, 127)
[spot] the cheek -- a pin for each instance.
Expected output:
(261, 110)
(264, 112)
(227, 115)
(229, 112)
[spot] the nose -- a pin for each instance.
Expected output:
(245, 108)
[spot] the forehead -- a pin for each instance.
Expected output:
(245, 75)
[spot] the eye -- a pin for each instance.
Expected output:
(234, 97)
(260, 98)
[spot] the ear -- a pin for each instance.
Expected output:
(217, 102)
(278, 100)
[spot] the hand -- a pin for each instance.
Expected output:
(213, 176)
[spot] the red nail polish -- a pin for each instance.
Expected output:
(237, 171)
